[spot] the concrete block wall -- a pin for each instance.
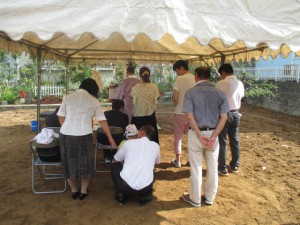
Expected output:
(288, 101)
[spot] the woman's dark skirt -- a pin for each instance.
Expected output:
(77, 156)
(140, 121)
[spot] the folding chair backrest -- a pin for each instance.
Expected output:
(116, 132)
(47, 152)
(103, 144)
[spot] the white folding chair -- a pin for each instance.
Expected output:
(118, 135)
(49, 170)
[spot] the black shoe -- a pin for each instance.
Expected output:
(223, 172)
(83, 196)
(75, 194)
(233, 170)
(120, 198)
(145, 199)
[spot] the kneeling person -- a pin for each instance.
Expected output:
(136, 174)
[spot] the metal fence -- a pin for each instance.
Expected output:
(55, 90)
(287, 73)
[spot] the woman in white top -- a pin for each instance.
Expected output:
(145, 95)
(76, 115)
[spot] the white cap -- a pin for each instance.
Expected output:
(131, 130)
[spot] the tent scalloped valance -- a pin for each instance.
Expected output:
(141, 49)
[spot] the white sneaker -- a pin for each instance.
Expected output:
(208, 202)
(175, 163)
(107, 160)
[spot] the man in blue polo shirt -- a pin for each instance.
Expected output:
(206, 108)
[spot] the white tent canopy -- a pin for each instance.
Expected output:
(142, 31)
(151, 31)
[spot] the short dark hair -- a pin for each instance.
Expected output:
(117, 104)
(145, 74)
(180, 63)
(149, 131)
(202, 72)
(227, 68)
(90, 86)
(130, 69)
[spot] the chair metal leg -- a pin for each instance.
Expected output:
(46, 176)
(50, 176)
(95, 163)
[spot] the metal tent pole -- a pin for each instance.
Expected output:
(38, 102)
(67, 64)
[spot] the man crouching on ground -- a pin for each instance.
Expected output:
(135, 176)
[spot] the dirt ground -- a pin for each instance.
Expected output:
(265, 191)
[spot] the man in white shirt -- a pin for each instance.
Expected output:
(135, 176)
(184, 82)
(234, 91)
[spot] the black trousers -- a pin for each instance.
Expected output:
(140, 121)
(122, 187)
(107, 153)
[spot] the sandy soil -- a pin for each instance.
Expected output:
(266, 190)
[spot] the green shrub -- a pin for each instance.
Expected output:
(9, 96)
(256, 88)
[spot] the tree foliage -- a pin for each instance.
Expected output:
(77, 73)
(256, 88)
(163, 77)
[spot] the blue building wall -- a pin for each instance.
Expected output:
(279, 61)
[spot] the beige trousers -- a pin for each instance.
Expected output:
(197, 153)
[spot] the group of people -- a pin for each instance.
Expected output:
(140, 98)
(206, 112)
(76, 115)
(211, 113)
